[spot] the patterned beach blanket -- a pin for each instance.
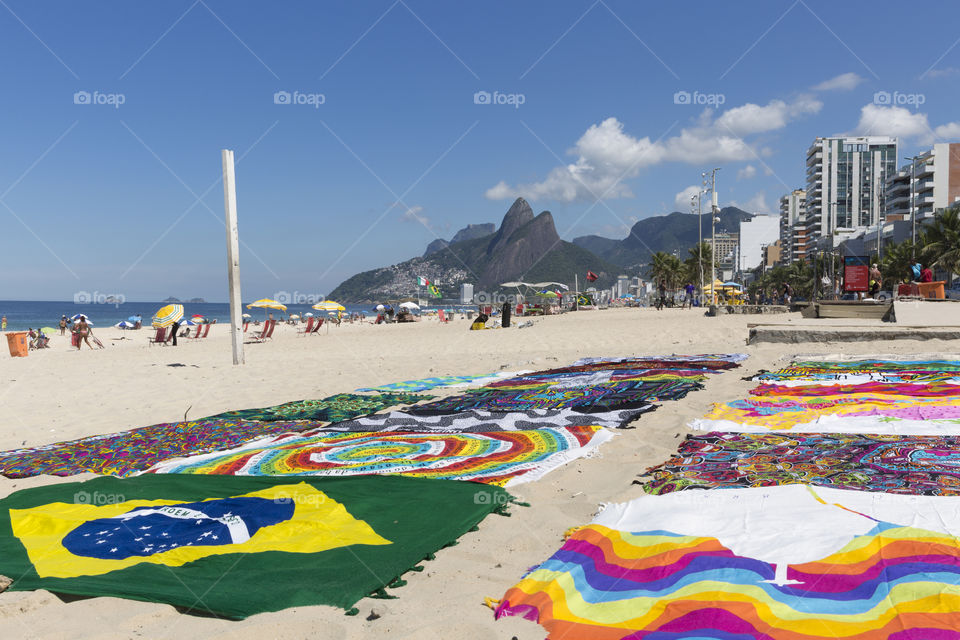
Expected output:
(128, 452)
(820, 377)
(559, 380)
(493, 458)
(785, 413)
(440, 382)
(232, 547)
(938, 389)
(770, 563)
(592, 399)
(729, 357)
(916, 465)
(486, 421)
(343, 406)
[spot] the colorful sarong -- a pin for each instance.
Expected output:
(484, 421)
(491, 458)
(938, 389)
(232, 547)
(917, 465)
(591, 399)
(128, 452)
(769, 563)
(440, 382)
(343, 406)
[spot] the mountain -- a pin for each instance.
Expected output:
(525, 247)
(469, 232)
(660, 233)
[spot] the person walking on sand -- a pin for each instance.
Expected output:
(83, 333)
(787, 292)
(63, 324)
(688, 297)
(173, 333)
(3, 323)
(662, 289)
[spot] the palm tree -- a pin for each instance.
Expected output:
(896, 263)
(698, 263)
(665, 266)
(941, 240)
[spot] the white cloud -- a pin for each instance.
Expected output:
(607, 156)
(949, 132)
(682, 200)
(413, 215)
(747, 172)
(756, 204)
(943, 73)
(842, 82)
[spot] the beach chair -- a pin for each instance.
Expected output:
(206, 330)
(317, 328)
(160, 337)
(246, 325)
(307, 329)
(267, 331)
(441, 315)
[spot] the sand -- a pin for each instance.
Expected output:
(61, 394)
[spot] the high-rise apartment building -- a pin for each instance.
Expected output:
(931, 180)
(846, 186)
(793, 231)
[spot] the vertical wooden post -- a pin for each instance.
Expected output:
(233, 255)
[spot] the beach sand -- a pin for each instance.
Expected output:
(61, 394)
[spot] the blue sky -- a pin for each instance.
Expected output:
(125, 198)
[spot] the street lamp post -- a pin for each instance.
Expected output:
(913, 212)
(714, 210)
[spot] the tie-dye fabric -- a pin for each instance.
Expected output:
(485, 421)
(916, 465)
(729, 357)
(936, 389)
(494, 458)
(127, 452)
(744, 564)
(441, 382)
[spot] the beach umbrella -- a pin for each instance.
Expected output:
(123, 324)
(329, 305)
(78, 316)
(413, 306)
(379, 307)
(247, 315)
(133, 319)
(48, 331)
(294, 316)
(732, 284)
(267, 303)
(308, 315)
(188, 323)
(198, 318)
(166, 316)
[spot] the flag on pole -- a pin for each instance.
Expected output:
(434, 291)
(422, 282)
(591, 276)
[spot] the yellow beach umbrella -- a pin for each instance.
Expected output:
(329, 305)
(166, 316)
(267, 303)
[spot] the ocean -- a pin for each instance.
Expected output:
(22, 315)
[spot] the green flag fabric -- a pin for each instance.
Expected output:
(232, 546)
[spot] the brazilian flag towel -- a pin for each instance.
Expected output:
(233, 546)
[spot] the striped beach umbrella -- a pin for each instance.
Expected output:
(329, 305)
(166, 316)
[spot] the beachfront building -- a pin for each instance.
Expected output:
(466, 293)
(725, 253)
(755, 234)
(846, 187)
(622, 287)
(772, 255)
(793, 231)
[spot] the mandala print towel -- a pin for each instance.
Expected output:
(343, 406)
(917, 465)
(128, 452)
(770, 563)
(492, 458)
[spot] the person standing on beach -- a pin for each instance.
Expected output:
(876, 280)
(63, 324)
(3, 323)
(83, 333)
(662, 290)
(175, 328)
(688, 298)
(787, 292)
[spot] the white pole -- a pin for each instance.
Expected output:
(233, 255)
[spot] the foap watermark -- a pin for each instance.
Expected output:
(309, 499)
(86, 297)
(496, 298)
(482, 497)
(100, 98)
(98, 498)
(512, 99)
(299, 98)
(697, 98)
(898, 99)
(286, 297)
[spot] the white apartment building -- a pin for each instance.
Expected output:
(466, 293)
(755, 234)
(846, 180)
(931, 179)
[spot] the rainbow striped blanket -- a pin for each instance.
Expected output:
(495, 458)
(773, 562)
